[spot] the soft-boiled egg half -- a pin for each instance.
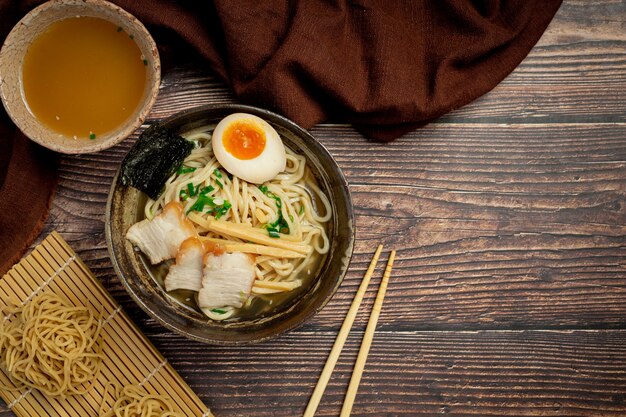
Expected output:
(249, 148)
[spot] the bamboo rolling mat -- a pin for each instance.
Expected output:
(130, 357)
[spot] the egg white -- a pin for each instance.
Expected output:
(270, 162)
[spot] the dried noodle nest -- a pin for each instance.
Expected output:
(52, 346)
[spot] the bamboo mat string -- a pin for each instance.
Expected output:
(113, 314)
(154, 371)
(20, 398)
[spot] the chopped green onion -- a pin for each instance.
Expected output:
(92, 136)
(197, 206)
(219, 184)
(190, 190)
(206, 190)
(119, 28)
(219, 212)
(280, 225)
(217, 173)
(185, 170)
(270, 194)
(301, 212)
(202, 201)
(145, 62)
(183, 195)
(218, 311)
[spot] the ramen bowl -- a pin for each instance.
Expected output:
(125, 208)
(36, 23)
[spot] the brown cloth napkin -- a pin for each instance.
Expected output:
(387, 66)
(27, 182)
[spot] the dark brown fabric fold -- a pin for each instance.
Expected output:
(25, 194)
(386, 66)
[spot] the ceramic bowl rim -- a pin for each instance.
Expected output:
(337, 174)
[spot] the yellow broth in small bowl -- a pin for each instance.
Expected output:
(83, 77)
(79, 76)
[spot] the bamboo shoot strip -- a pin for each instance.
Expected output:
(341, 338)
(252, 248)
(367, 340)
(277, 285)
(249, 233)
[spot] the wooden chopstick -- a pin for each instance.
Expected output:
(367, 340)
(341, 338)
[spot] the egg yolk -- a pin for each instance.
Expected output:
(244, 140)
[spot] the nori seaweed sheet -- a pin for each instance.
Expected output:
(155, 156)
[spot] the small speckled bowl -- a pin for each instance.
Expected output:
(28, 29)
(125, 208)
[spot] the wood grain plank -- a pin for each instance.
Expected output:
(484, 373)
(512, 373)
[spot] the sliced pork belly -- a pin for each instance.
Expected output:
(186, 274)
(227, 280)
(161, 237)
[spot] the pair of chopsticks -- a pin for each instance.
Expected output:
(343, 335)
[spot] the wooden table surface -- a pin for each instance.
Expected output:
(509, 218)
